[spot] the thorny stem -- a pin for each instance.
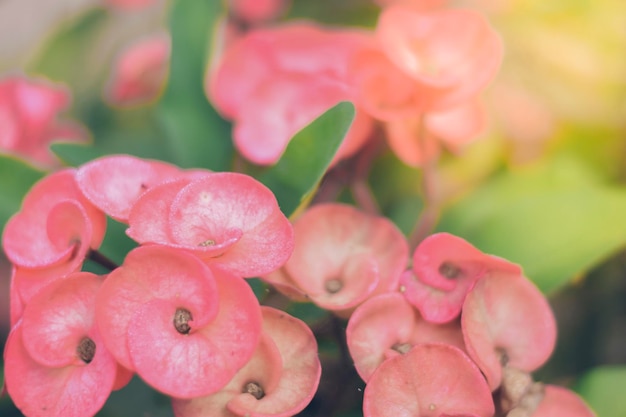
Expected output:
(431, 211)
(99, 258)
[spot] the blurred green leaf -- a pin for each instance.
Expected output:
(16, 178)
(137, 399)
(307, 157)
(198, 136)
(603, 389)
(555, 219)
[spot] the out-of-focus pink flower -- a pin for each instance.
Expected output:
(253, 11)
(343, 256)
(228, 219)
(139, 72)
(28, 118)
(430, 380)
(273, 82)
(55, 361)
(371, 340)
(558, 401)
(279, 380)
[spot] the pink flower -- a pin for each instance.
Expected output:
(343, 256)
(273, 82)
(55, 361)
(254, 11)
(130, 4)
(431, 380)
(139, 72)
(28, 117)
(279, 380)
(228, 219)
(182, 327)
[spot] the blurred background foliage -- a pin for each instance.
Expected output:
(545, 186)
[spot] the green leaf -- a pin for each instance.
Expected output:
(603, 389)
(197, 135)
(16, 178)
(554, 219)
(307, 157)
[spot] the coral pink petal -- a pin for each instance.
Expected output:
(264, 369)
(431, 380)
(436, 305)
(408, 143)
(28, 282)
(453, 51)
(148, 218)
(178, 364)
(26, 239)
(58, 317)
(559, 401)
(216, 207)
(457, 126)
(148, 273)
(113, 183)
(299, 375)
(371, 340)
(69, 391)
(506, 319)
(122, 377)
(382, 90)
(280, 280)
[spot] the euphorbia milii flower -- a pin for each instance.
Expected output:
(279, 380)
(343, 256)
(431, 380)
(55, 361)
(28, 118)
(273, 82)
(56, 225)
(371, 340)
(506, 320)
(113, 183)
(182, 327)
(451, 53)
(139, 72)
(254, 11)
(558, 401)
(227, 219)
(445, 268)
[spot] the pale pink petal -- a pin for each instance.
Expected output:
(559, 401)
(507, 320)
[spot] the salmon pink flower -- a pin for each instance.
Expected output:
(255, 11)
(56, 225)
(139, 72)
(28, 115)
(431, 380)
(371, 340)
(279, 380)
(343, 256)
(558, 401)
(273, 82)
(182, 327)
(445, 268)
(507, 321)
(227, 219)
(55, 361)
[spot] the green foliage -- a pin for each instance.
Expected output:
(197, 135)
(16, 178)
(295, 176)
(554, 219)
(603, 389)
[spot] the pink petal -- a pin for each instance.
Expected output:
(371, 340)
(28, 282)
(149, 273)
(58, 318)
(559, 401)
(457, 126)
(407, 141)
(220, 206)
(506, 319)
(113, 183)
(431, 380)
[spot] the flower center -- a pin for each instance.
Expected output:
(254, 389)
(86, 349)
(208, 242)
(333, 286)
(181, 320)
(401, 347)
(449, 270)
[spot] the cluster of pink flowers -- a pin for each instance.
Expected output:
(177, 312)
